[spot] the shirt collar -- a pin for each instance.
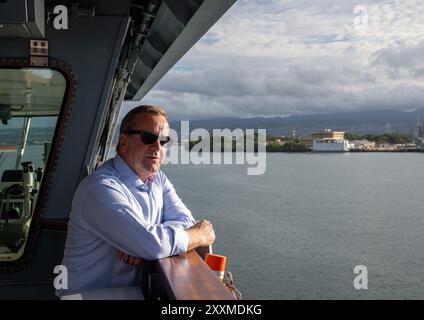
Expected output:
(129, 177)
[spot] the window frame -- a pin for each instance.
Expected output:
(39, 223)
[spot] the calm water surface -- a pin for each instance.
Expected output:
(298, 231)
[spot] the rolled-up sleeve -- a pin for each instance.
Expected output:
(109, 215)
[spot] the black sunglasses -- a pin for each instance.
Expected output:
(149, 138)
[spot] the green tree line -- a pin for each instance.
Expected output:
(391, 138)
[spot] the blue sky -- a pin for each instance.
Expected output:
(271, 57)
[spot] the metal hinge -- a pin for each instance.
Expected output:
(39, 53)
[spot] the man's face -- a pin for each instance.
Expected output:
(143, 158)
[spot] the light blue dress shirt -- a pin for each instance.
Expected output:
(114, 210)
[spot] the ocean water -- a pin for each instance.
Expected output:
(298, 231)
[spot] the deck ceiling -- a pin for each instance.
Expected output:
(169, 28)
(177, 26)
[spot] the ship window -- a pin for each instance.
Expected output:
(30, 102)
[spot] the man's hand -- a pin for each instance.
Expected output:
(200, 235)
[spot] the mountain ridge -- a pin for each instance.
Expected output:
(362, 122)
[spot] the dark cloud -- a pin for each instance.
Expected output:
(400, 56)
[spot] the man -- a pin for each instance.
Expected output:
(127, 211)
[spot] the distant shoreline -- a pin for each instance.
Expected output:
(396, 151)
(354, 151)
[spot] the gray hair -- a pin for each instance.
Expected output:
(128, 122)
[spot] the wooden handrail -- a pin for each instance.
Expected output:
(188, 277)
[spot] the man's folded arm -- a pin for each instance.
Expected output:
(175, 211)
(107, 214)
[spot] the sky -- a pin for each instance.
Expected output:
(295, 57)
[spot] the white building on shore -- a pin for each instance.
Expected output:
(330, 145)
(329, 141)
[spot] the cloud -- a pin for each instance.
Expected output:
(401, 59)
(274, 57)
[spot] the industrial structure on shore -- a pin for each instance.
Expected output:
(335, 141)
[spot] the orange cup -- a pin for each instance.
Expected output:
(217, 263)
